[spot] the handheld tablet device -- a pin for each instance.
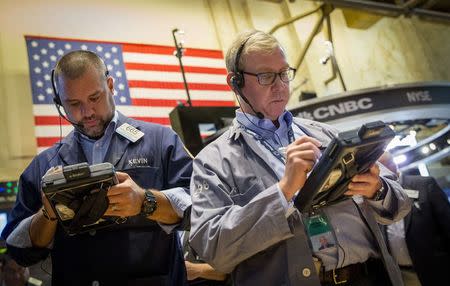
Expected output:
(350, 153)
(77, 194)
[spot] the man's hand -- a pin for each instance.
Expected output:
(125, 198)
(42, 229)
(366, 184)
(202, 270)
(301, 156)
(48, 208)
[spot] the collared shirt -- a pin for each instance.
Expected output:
(396, 239)
(95, 150)
(355, 243)
(277, 137)
(397, 243)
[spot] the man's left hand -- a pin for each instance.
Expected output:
(125, 198)
(366, 184)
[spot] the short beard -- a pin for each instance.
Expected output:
(95, 135)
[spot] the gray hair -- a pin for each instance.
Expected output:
(253, 41)
(74, 64)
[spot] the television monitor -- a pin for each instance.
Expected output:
(199, 125)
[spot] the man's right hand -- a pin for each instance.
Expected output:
(301, 156)
(42, 229)
(48, 208)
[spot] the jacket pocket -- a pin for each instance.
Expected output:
(243, 196)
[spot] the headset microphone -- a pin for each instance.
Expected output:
(239, 91)
(58, 107)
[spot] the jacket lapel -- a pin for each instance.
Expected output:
(315, 131)
(71, 151)
(262, 155)
(407, 221)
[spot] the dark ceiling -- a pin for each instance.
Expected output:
(438, 10)
(427, 9)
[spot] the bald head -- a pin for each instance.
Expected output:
(74, 64)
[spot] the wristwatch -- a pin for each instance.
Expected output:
(47, 216)
(149, 205)
(380, 194)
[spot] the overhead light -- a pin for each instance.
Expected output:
(425, 150)
(432, 146)
(399, 159)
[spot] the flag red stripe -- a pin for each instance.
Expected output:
(46, 141)
(166, 50)
(49, 120)
(170, 102)
(177, 85)
(171, 68)
(158, 120)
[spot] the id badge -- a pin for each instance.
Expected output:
(320, 232)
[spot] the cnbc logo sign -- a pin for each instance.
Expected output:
(340, 109)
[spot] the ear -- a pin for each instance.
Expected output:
(110, 83)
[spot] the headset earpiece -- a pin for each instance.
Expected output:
(238, 77)
(238, 80)
(56, 98)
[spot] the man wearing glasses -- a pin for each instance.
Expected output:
(243, 185)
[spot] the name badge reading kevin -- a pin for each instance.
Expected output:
(129, 132)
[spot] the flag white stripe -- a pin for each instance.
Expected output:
(176, 77)
(180, 94)
(129, 57)
(52, 130)
(44, 110)
(145, 111)
(131, 111)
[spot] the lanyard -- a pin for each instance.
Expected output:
(267, 145)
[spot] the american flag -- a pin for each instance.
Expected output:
(148, 80)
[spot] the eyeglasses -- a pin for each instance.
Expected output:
(267, 78)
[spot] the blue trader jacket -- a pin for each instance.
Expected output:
(138, 252)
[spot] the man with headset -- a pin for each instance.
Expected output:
(152, 191)
(242, 187)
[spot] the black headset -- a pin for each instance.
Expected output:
(56, 98)
(238, 80)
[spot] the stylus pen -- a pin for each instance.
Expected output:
(282, 150)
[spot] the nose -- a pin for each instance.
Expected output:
(87, 110)
(278, 83)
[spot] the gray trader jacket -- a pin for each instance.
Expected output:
(239, 224)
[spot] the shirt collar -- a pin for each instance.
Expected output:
(263, 127)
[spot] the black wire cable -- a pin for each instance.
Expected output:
(273, 132)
